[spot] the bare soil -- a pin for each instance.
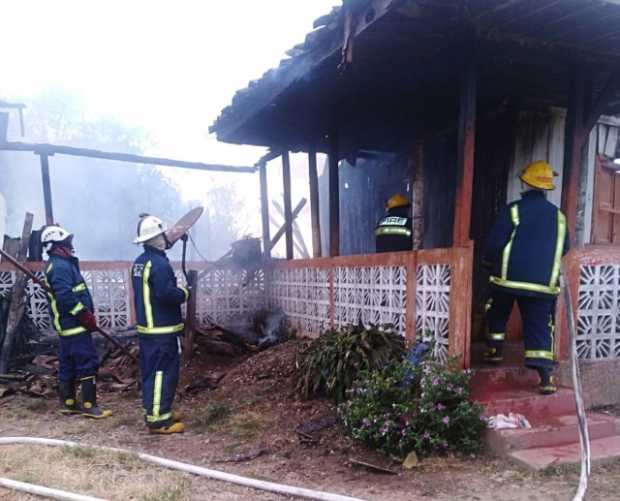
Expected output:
(254, 408)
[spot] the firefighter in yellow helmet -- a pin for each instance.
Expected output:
(523, 253)
(393, 232)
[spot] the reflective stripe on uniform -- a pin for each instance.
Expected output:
(514, 216)
(157, 389)
(559, 247)
(77, 308)
(55, 312)
(526, 286)
(146, 296)
(186, 292)
(79, 287)
(162, 417)
(548, 355)
(390, 230)
(161, 330)
(496, 336)
(72, 332)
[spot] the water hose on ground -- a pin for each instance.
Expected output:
(584, 438)
(46, 492)
(253, 483)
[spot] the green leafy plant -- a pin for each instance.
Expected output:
(330, 364)
(425, 409)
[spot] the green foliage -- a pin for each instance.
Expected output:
(432, 413)
(330, 364)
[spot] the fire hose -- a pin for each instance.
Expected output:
(253, 483)
(47, 288)
(584, 438)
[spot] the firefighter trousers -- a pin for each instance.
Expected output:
(537, 314)
(159, 367)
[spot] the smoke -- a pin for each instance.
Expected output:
(98, 200)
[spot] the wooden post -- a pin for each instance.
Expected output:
(18, 299)
(314, 202)
(334, 197)
(465, 165)
(418, 196)
(47, 188)
(286, 178)
(190, 315)
(282, 230)
(573, 144)
(264, 208)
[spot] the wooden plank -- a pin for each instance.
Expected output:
(288, 220)
(264, 209)
(190, 315)
(459, 340)
(53, 149)
(18, 298)
(334, 197)
(410, 312)
(601, 221)
(298, 239)
(276, 238)
(314, 202)
(418, 196)
(47, 189)
(465, 166)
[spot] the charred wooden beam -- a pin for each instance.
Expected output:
(612, 86)
(466, 146)
(276, 238)
(52, 149)
(264, 209)
(288, 220)
(314, 202)
(334, 197)
(47, 189)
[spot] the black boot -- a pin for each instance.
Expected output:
(89, 400)
(68, 403)
(547, 381)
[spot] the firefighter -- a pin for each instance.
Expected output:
(158, 303)
(523, 253)
(393, 232)
(72, 309)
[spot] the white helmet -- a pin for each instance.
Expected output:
(149, 227)
(52, 235)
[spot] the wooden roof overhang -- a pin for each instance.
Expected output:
(407, 59)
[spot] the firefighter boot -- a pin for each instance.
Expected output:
(89, 400)
(492, 356)
(68, 403)
(177, 427)
(547, 382)
(177, 416)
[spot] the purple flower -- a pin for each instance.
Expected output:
(435, 381)
(427, 435)
(366, 422)
(446, 420)
(459, 391)
(440, 407)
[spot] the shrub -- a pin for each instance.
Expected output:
(431, 414)
(330, 364)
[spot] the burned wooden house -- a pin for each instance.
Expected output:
(446, 100)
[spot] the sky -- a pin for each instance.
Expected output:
(167, 66)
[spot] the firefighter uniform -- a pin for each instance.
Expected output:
(393, 232)
(524, 251)
(158, 303)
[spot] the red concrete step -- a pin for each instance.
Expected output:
(602, 450)
(512, 353)
(537, 408)
(490, 379)
(558, 430)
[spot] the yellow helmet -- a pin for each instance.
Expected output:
(397, 200)
(539, 175)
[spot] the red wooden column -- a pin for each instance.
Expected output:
(288, 218)
(465, 166)
(574, 138)
(314, 202)
(334, 197)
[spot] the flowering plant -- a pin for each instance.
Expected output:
(425, 408)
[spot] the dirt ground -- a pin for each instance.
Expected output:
(253, 408)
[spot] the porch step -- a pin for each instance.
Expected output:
(602, 450)
(512, 352)
(491, 379)
(557, 431)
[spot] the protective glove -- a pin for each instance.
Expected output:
(88, 320)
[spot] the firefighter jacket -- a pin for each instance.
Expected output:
(157, 298)
(526, 245)
(69, 295)
(393, 232)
